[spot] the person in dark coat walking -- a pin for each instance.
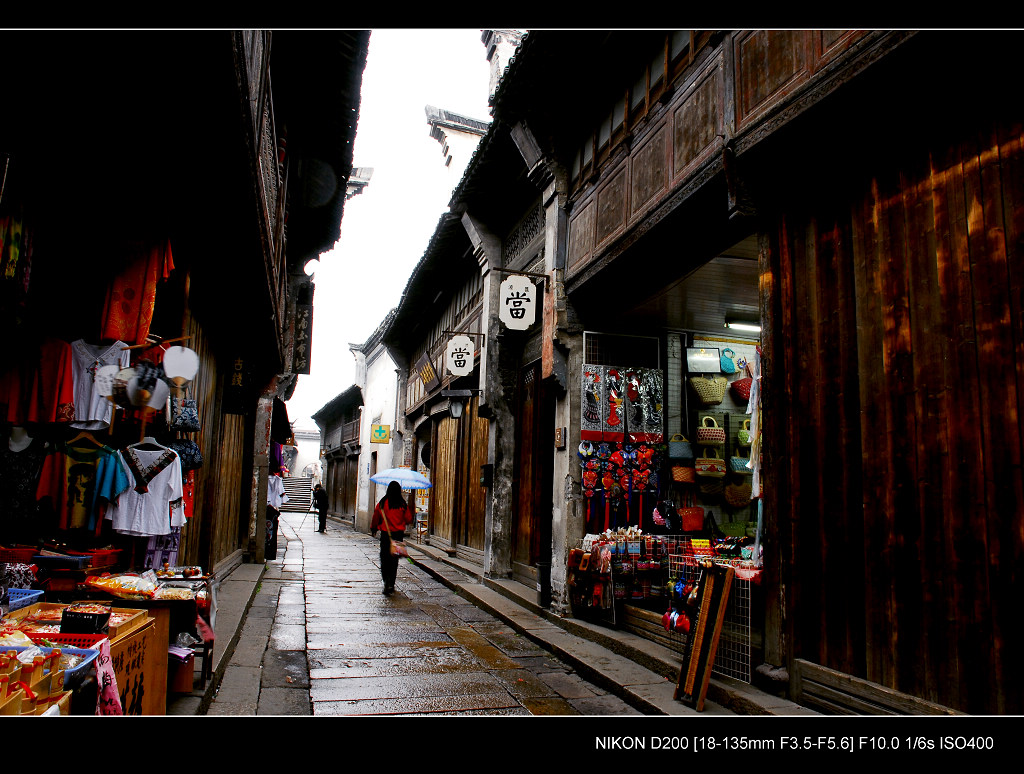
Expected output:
(320, 503)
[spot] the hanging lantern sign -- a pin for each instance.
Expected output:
(459, 355)
(518, 297)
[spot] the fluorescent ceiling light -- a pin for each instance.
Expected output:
(743, 326)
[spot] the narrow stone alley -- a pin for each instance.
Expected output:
(321, 639)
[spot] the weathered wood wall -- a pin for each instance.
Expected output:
(212, 533)
(472, 496)
(894, 444)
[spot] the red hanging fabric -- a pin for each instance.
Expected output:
(128, 310)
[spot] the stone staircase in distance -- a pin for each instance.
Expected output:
(300, 493)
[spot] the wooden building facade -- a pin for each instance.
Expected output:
(201, 154)
(885, 217)
(340, 425)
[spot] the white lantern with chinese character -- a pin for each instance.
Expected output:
(518, 300)
(459, 355)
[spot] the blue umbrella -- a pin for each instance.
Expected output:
(406, 478)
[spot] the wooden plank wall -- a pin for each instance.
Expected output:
(444, 467)
(472, 496)
(213, 532)
(893, 422)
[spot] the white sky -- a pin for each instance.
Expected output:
(385, 229)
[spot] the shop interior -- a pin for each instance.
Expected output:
(669, 459)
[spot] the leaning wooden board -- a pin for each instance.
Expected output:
(702, 641)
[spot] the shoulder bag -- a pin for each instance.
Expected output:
(398, 548)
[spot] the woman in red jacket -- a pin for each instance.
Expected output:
(390, 517)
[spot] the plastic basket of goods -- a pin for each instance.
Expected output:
(18, 555)
(75, 662)
(62, 561)
(58, 640)
(23, 598)
(100, 557)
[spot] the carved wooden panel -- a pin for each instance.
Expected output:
(581, 236)
(769, 63)
(611, 207)
(649, 170)
(698, 123)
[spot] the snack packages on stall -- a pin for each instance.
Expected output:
(126, 586)
(11, 637)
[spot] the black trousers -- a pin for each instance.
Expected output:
(389, 563)
(322, 517)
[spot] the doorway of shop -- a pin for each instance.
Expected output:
(533, 482)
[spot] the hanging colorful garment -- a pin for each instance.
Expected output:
(153, 506)
(19, 475)
(38, 385)
(93, 410)
(77, 483)
(131, 298)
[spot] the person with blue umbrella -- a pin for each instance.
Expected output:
(390, 517)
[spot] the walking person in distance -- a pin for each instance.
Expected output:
(391, 516)
(320, 503)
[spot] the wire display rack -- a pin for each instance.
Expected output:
(733, 657)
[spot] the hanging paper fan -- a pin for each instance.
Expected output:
(181, 365)
(154, 397)
(104, 380)
(120, 387)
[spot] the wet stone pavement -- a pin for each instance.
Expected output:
(321, 639)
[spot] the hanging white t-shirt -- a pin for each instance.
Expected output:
(152, 505)
(275, 492)
(92, 410)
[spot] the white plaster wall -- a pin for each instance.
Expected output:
(308, 451)
(380, 398)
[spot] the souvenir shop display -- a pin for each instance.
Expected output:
(621, 447)
(661, 559)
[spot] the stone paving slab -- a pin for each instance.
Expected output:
(402, 686)
(484, 704)
(284, 701)
(285, 669)
(449, 660)
(319, 656)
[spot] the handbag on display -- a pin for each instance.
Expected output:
(738, 495)
(710, 390)
(743, 436)
(692, 518)
(728, 364)
(738, 463)
(679, 448)
(189, 454)
(184, 415)
(684, 474)
(710, 435)
(710, 465)
(711, 487)
(741, 389)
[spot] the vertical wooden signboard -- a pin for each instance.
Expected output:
(702, 642)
